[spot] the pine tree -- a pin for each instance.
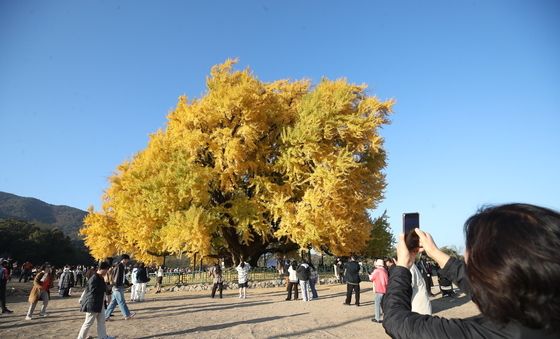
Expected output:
(381, 240)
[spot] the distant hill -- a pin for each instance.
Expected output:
(66, 219)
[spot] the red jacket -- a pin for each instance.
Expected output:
(381, 279)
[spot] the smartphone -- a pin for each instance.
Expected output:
(410, 222)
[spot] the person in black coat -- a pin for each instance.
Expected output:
(92, 302)
(511, 272)
(142, 280)
(352, 278)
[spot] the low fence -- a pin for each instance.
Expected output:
(230, 274)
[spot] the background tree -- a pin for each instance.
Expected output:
(380, 244)
(24, 241)
(250, 167)
(452, 251)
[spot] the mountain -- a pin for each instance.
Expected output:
(67, 219)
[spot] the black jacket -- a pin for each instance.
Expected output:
(352, 272)
(401, 322)
(142, 275)
(94, 294)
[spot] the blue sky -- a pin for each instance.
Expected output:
(477, 85)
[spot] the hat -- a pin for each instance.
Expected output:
(379, 263)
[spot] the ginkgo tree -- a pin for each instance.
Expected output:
(250, 167)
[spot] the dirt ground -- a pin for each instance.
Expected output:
(264, 314)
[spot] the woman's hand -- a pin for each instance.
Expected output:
(404, 257)
(431, 249)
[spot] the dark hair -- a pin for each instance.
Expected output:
(125, 256)
(104, 265)
(513, 264)
(294, 264)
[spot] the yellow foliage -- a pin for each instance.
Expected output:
(246, 156)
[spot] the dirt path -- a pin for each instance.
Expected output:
(264, 314)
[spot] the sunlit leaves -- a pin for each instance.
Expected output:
(266, 160)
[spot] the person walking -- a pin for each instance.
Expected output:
(80, 276)
(426, 271)
(92, 303)
(280, 266)
(339, 270)
(216, 274)
(242, 278)
(42, 283)
(65, 282)
(4, 277)
(159, 279)
(313, 278)
(89, 272)
(303, 274)
(380, 278)
(118, 280)
(26, 268)
(134, 282)
(109, 282)
(292, 281)
(142, 280)
(352, 278)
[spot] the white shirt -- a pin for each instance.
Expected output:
(242, 273)
(420, 300)
(293, 274)
(133, 275)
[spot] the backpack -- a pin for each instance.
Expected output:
(110, 273)
(303, 272)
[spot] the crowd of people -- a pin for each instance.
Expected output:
(505, 246)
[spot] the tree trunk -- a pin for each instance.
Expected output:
(194, 263)
(250, 253)
(254, 250)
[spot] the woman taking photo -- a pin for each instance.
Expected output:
(511, 271)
